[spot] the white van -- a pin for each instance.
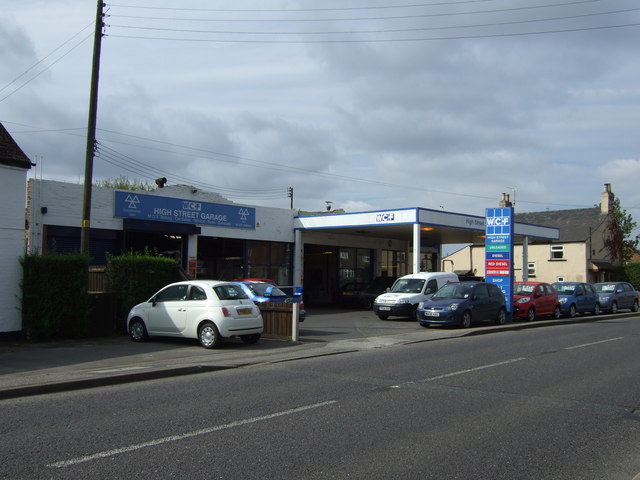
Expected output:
(407, 292)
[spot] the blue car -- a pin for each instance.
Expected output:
(616, 295)
(262, 291)
(577, 297)
(463, 303)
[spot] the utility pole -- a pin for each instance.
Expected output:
(91, 131)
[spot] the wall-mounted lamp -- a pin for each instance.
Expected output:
(43, 210)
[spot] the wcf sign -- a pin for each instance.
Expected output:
(385, 217)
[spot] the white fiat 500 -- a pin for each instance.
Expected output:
(208, 310)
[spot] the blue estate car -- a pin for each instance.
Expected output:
(616, 295)
(463, 303)
(577, 297)
(261, 291)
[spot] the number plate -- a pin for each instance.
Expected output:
(244, 311)
(431, 313)
(385, 308)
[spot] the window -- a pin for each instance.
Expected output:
(172, 293)
(557, 252)
(196, 293)
(531, 269)
(559, 279)
(432, 286)
(229, 292)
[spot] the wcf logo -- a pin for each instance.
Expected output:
(385, 217)
(498, 221)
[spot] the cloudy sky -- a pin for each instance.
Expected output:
(369, 104)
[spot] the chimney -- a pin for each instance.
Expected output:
(505, 202)
(606, 199)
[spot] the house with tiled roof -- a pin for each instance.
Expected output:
(579, 254)
(14, 165)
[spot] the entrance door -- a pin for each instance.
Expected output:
(320, 274)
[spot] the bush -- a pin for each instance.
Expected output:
(134, 277)
(54, 296)
(629, 272)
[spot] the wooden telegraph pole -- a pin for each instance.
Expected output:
(91, 131)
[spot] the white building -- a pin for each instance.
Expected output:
(13, 172)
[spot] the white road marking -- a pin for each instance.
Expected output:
(175, 438)
(475, 369)
(593, 343)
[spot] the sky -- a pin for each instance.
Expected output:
(366, 104)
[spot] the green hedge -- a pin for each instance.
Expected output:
(629, 272)
(134, 277)
(54, 296)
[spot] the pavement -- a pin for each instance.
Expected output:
(28, 368)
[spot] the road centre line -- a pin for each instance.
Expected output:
(175, 438)
(593, 343)
(475, 369)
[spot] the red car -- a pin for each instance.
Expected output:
(535, 299)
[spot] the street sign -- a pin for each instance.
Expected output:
(499, 250)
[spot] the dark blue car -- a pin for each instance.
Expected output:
(577, 297)
(463, 303)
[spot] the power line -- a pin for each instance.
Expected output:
(395, 30)
(19, 87)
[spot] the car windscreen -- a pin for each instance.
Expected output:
(408, 285)
(523, 289)
(605, 287)
(453, 290)
(565, 289)
(229, 292)
(261, 288)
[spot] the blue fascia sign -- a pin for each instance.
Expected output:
(499, 250)
(176, 210)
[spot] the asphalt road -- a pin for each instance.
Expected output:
(547, 403)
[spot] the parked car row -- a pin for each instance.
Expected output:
(438, 298)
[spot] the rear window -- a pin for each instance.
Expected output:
(230, 292)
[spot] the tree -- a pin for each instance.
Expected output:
(123, 183)
(619, 243)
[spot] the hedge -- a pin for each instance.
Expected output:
(134, 277)
(54, 296)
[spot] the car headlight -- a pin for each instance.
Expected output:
(524, 300)
(453, 306)
(562, 300)
(403, 300)
(605, 298)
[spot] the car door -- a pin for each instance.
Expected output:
(481, 303)
(628, 295)
(168, 312)
(589, 298)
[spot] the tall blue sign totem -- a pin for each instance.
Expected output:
(499, 251)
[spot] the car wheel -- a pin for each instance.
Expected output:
(531, 315)
(138, 330)
(614, 307)
(596, 309)
(557, 313)
(383, 317)
(208, 335)
(466, 319)
(250, 339)
(501, 319)
(634, 308)
(572, 311)
(368, 304)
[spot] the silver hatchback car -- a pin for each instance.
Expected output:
(208, 310)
